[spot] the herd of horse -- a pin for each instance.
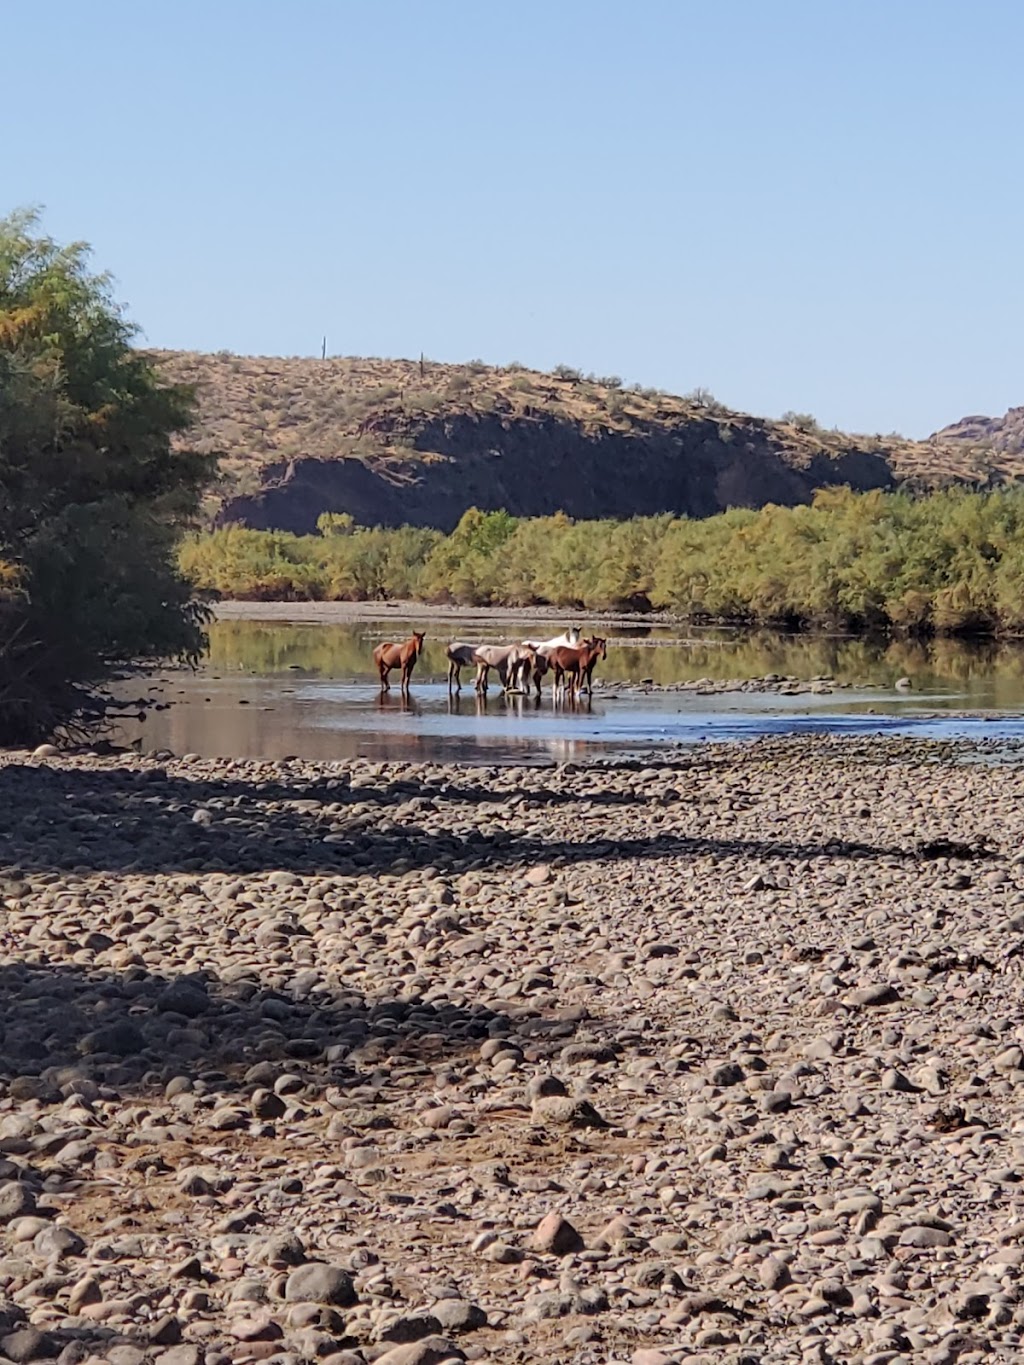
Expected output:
(569, 659)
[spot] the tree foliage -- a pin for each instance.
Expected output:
(93, 494)
(948, 563)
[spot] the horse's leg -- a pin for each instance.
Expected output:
(385, 686)
(407, 675)
(481, 677)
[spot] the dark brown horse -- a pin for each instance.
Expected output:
(576, 665)
(598, 650)
(460, 656)
(540, 668)
(403, 656)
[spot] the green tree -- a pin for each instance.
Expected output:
(94, 491)
(335, 523)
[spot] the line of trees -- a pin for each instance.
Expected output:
(949, 563)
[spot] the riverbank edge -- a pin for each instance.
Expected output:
(343, 613)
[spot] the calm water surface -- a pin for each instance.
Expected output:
(273, 690)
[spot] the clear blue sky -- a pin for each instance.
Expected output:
(801, 204)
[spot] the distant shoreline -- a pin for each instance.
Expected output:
(347, 613)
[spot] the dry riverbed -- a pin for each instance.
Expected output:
(712, 1061)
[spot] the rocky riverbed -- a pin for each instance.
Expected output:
(719, 1060)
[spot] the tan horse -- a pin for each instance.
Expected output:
(403, 656)
(508, 660)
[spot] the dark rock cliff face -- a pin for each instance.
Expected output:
(540, 466)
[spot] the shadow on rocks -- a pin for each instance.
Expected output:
(65, 1030)
(122, 818)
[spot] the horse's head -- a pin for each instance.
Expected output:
(419, 636)
(599, 647)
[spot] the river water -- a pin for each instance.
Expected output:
(278, 689)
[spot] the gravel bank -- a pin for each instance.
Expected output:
(347, 613)
(719, 1061)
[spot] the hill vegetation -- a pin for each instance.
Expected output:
(946, 563)
(398, 442)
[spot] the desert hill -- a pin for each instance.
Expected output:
(1003, 434)
(394, 441)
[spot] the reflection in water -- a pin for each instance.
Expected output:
(663, 654)
(273, 691)
(398, 701)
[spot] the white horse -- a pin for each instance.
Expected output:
(569, 639)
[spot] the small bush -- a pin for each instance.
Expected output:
(567, 372)
(803, 421)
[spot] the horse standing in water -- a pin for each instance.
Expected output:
(509, 660)
(404, 656)
(576, 665)
(541, 650)
(460, 656)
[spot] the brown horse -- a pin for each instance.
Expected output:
(540, 668)
(403, 656)
(576, 665)
(598, 650)
(460, 656)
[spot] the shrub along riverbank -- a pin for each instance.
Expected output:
(948, 563)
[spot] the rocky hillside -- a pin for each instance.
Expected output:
(404, 441)
(1003, 434)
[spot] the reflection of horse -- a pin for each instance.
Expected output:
(460, 656)
(576, 666)
(386, 701)
(404, 656)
